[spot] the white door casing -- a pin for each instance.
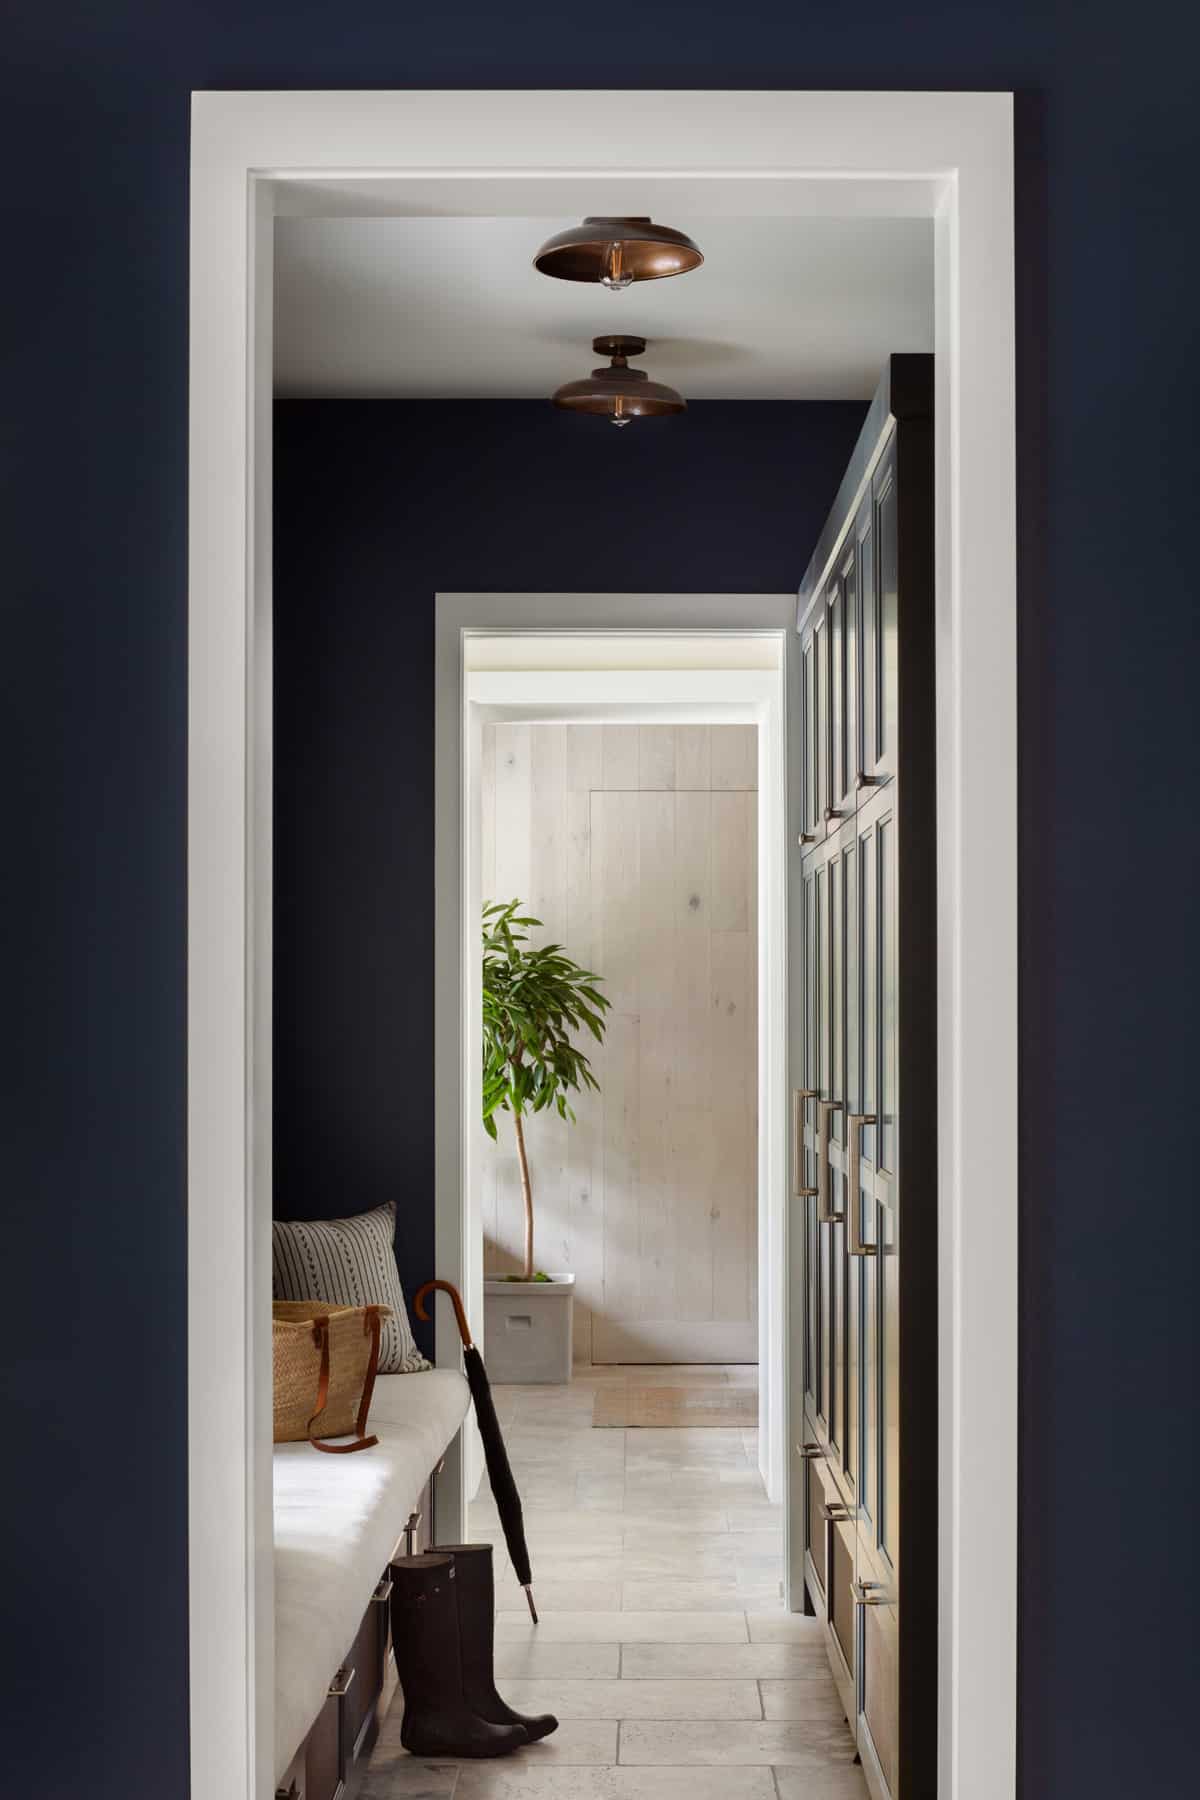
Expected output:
(944, 155)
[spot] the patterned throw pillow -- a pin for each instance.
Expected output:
(348, 1262)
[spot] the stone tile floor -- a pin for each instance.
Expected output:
(663, 1645)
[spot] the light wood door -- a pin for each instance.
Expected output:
(637, 847)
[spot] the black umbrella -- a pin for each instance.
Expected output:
(508, 1501)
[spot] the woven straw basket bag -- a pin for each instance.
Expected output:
(326, 1358)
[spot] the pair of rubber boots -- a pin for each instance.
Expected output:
(443, 1621)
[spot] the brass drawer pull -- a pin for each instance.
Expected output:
(825, 1112)
(836, 1511)
(854, 1244)
(831, 813)
(806, 837)
(799, 1096)
(869, 1593)
(341, 1684)
(807, 1451)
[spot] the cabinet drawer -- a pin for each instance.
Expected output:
(324, 1758)
(366, 1659)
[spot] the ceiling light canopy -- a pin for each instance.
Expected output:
(619, 393)
(617, 252)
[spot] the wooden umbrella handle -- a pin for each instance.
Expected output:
(460, 1312)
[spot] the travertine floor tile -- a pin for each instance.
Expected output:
(691, 1557)
(724, 1662)
(554, 1596)
(570, 1662)
(784, 1628)
(511, 1780)
(626, 1627)
(807, 1743)
(847, 1783)
(804, 1698)
(675, 1593)
(639, 1699)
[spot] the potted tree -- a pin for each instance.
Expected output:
(535, 1003)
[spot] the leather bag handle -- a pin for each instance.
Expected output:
(372, 1323)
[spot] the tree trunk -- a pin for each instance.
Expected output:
(526, 1195)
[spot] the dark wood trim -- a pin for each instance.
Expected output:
(916, 878)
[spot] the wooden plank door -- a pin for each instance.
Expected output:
(674, 924)
(636, 845)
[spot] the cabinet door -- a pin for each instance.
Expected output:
(875, 1286)
(817, 740)
(842, 616)
(879, 590)
(821, 1326)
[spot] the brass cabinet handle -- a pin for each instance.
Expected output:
(862, 780)
(806, 837)
(869, 1593)
(855, 1245)
(825, 1111)
(341, 1683)
(808, 1451)
(836, 1511)
(831, 813)
(799, 1096)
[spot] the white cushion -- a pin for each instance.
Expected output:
(337, 1519)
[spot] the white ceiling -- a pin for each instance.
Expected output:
(451, 308)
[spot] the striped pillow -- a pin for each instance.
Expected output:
(348, 1262)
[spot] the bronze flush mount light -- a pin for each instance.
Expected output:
(619, 393)
(617, 252)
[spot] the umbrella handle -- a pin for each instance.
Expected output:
(460, 1314)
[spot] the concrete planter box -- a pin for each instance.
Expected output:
(527, 1329)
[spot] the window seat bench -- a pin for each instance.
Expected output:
(338, 1520)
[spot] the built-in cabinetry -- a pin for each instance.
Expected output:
(863, 1223)
(331, 1763)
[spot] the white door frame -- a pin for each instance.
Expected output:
(702, 682)
(946, 156)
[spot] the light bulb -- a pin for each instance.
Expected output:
(615, 277)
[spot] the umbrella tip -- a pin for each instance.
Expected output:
(529, 1603)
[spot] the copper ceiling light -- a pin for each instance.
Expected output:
(617, 252)
(619, 393)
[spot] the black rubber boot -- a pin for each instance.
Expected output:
(438, 1721)
(475, 1586)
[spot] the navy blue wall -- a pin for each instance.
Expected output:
(377, 506)
(93, 340)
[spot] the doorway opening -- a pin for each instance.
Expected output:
(630, 789)
(806, 155)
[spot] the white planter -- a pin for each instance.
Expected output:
(527, 1329)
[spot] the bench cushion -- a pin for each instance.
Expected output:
(337, 1519)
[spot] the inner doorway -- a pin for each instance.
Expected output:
(632, 785)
